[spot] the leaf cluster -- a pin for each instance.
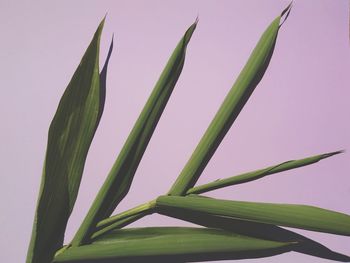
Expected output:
(227, 229)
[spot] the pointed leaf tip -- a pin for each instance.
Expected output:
(102, 23)
(197, 20)
(285, 13)
(326, 155)
(189, 32)
(110, 50)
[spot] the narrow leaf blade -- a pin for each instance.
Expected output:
(122, 173)
(259, 230)
(172, 244)
(255, 175)
(234, 102)
(297, 216)
(70, 135)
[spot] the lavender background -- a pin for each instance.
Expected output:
(301, 107)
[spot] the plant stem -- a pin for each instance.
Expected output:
(125, 218)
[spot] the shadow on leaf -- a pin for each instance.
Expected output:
(263, 231)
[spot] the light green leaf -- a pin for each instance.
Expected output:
(70, 135)
(297, 216)
(235, 100)
(122, 173)
(171, 244)
(251, 176)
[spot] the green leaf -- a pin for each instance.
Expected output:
(297, 216)
(124, 218)
(70, 135)
(122, 173)
(261, 231)
(251, 176)
(171, 244)
(235, 100)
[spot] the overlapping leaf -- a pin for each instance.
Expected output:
(124, 218)
(172, 244)
(235, 229)
(262, 231)
(121, 175)
(297, 216)
(70, 135)
(234, 102)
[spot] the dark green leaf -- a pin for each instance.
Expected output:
(70, 135)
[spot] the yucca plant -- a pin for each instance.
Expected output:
(228, 229)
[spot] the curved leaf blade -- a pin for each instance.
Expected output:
(122, 173)
(255, 175)
(297, 216)
(234, 102)
(70, 135)
(171, 244)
